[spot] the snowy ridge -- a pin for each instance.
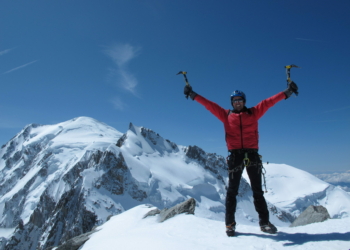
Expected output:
(190, 232)
(168, 173)
(78, 165)
(338, 179)
(39, 155)
(59, 181)
(293, 190)
(39, 173)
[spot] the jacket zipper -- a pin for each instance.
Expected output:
(240, 118)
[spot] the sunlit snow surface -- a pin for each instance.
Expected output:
(293, 190)
(168, 176)
(67, 142)
(189, 232)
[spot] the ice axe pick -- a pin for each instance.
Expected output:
(184, 74)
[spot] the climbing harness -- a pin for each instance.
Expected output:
(234, 170)
(246, 161)
(263, 172)
(230, 159)
(288, 67)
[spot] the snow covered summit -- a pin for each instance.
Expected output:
(59, 181)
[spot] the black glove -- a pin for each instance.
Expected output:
(189, 92)
(292, 88)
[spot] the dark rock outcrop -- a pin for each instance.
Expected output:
(74, 243)
(311, 215)
(187, 207)
(152, 213)
(211, 161)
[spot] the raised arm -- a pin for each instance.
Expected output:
(214, 108)
(264, 105)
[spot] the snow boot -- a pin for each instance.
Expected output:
(230, 229)
(268, 228)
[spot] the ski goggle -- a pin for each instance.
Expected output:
(237, 100)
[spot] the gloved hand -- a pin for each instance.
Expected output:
(292, 88)
(189, 92)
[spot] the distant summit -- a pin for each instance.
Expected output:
(59, 181)
(337, 179)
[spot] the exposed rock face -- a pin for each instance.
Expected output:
(187, 207)
(76, 242)
(279, 213)
(212, 162)
(311, 215)
(56, 222)
(60, 181)
(152, 213)
(121, 140)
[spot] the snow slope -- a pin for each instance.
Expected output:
(82, 171)
(63, 145)
(293, 190)
(96, 172)
(189, 232)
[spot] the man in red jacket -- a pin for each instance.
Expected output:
(241, 132)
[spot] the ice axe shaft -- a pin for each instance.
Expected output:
(186, 80)
(184, 74)
(288, 67)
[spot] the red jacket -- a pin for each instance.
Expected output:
(241, 128)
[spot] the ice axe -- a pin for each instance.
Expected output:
(186, 80)
(288, 67)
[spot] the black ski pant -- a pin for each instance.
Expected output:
(254, 170)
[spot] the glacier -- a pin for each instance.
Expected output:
(59, 181)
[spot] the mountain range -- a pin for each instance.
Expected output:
(338, 179)
(59, 181)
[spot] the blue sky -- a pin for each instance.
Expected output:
(116, 61)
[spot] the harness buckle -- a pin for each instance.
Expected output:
(246, 160)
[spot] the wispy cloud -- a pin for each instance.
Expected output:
(20, 67)
(122, 54)
(5, 51)
(118, 103)
(128, 81)
(338, 109)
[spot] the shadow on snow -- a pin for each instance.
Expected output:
(300, 238)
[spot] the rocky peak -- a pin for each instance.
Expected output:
(147, 138)
(211, 161)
